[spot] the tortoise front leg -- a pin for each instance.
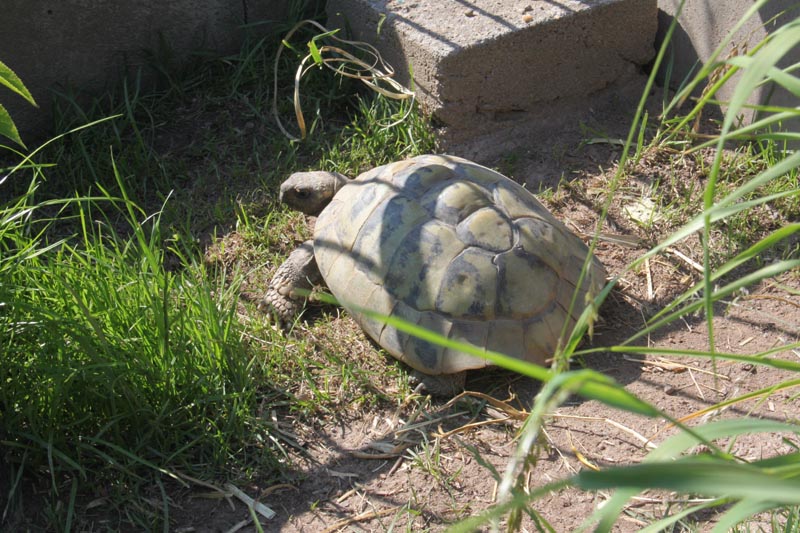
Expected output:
(290, 286)
(445, 385)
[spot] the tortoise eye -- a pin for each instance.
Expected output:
(302, 193)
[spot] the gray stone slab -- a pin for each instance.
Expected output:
(87, 44)
(484, 66)
(702, 26)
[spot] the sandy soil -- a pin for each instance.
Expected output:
(386, 466)
(418, 481)
(396, 467)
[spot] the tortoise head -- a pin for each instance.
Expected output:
(310, 192)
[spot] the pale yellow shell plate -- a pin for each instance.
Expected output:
(459, 249)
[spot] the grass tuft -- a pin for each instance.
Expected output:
(113, 359)
(132, 254)
(128, 359)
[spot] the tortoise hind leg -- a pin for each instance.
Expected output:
(291, 283)
(446, 385)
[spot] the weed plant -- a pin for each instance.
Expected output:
(736, 488)
(111, 359)
(125, 362)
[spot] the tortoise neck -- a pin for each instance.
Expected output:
(337, 182)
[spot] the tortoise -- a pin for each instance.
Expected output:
(443, 243)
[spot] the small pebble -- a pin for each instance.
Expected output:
(527, 8)
(470, 13)
(527, 18)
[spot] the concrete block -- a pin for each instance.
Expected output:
(479, 67)
(89, 43)
(703, 25)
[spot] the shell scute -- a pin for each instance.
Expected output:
(341, 222)
(508, 338)
(420, 263)
(454, 201)
(378, 301)
(487, 228)
(526, 285)
(424, 355)
(420, 180)
(474, 332)
(469, 289)
(384, 231)
(519, 202)
(394, 340)
(542, 333)
(547, 242)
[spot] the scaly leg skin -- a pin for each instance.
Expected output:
(445, 385)
(289, 287)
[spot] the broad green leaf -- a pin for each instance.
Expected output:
(789, 461)
(12, 81)
(7, 127)
(612, 394)
(695, 475)
(677, 444)
(756, 359)
(591, 385)
(767, 242)
(315, 54)
(740, 512)
(775, 48)
(781, 77)
(314, 49)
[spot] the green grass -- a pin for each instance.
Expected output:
(126, 359)
(130, 356)
(739, 185)
(114, 365)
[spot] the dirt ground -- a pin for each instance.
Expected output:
(391, 467)
(418, 467)
(426, 487)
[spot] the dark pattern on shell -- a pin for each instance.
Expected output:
(466, 292)
(427, 353)
(496, 280)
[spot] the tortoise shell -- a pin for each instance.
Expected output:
(458, 249)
